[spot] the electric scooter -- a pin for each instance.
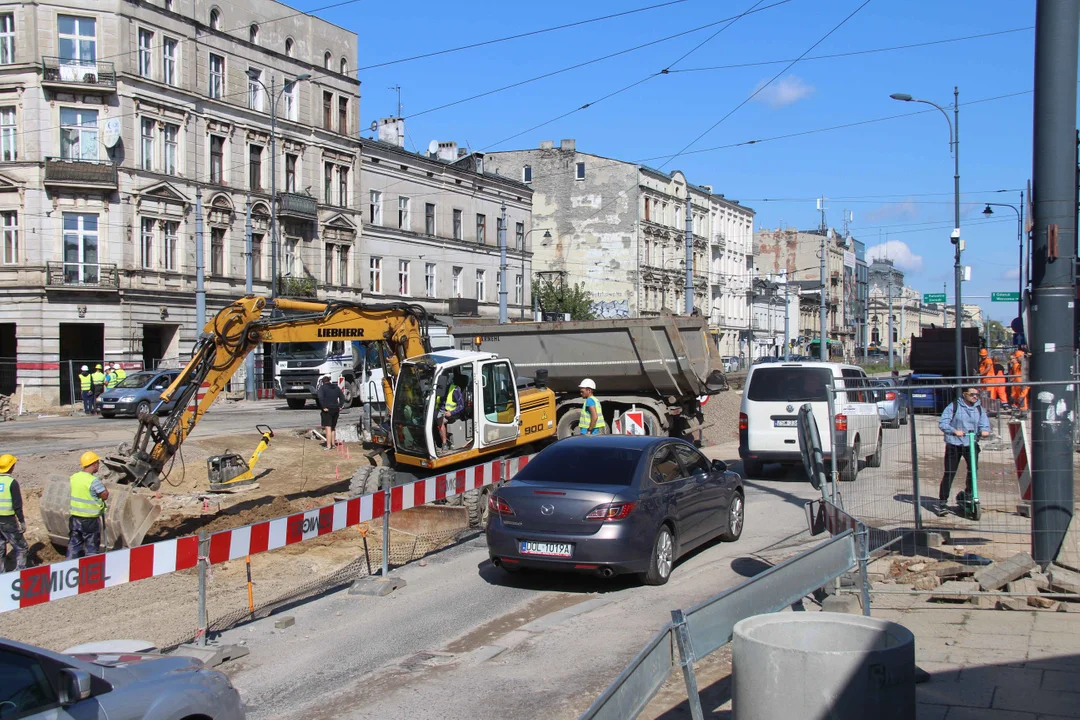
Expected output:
(969, 502)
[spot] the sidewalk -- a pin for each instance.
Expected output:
(994, 664)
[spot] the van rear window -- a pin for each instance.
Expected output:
(789, 384)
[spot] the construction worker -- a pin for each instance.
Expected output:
(997, 386)
(12, 522)
(1018, 393)
(119, 373)
(97, 383)
(452, 407)
(592, 420)
(86, 389)
(88, 496)
(986, 372)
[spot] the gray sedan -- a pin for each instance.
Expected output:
(891, 403)
(613, 504)
(45, 685)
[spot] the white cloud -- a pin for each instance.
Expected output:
(1012, 274)
(899, 253)
(785, 91)
(903, 210)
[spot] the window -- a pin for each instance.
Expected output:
(519, 236)
(78, 134)
(288, 47)
(217, 76)
(9, 227)
(80, 249)
(375, 275)
(498, 286)
(403, 276)
(172, 239)
(481, 228)
(519, 290)
(253, 34)
(217, 158)
(647, 209)
(170, 53)
(692, 461)
(256, 256)
(171, 136)
(292, 104)
(343, 265)
(147, 245)
(328, 183)
(328, 264)
(290, 172)
(481, 285)
(500, 404)
(26, 684)
(665, 466)
(215, 19)
(328, 110)
(78, 40)
(457, 282)
(146, 53)
(526, 173)
(580, 171)
(429, 218)
(344, 66)
(376, 208)
(794, 384)
(403, 213)
(343, 115)
(289, 258)
(429, 279)
(458, 229)
(343, 185)
(327, 59)
(147, 125)
(255, 167)
(7, 39)
(217, 251)
(8, 146)
(169, 5)
(255, 93)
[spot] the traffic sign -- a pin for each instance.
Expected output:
(933, 297)
(1004, 297)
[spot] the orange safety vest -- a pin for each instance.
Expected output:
(986, 369)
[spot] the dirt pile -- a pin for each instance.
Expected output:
(722, 417)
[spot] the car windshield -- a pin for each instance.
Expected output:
(302, 350)
(137, 380)
(414, 386)
(586, 464)
(789, 384)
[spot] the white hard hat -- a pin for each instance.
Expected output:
(587, 383)
(116, 366)
(84, 368)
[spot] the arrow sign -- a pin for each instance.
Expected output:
(1005, 297)
(933, 298)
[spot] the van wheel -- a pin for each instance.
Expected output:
(850, 469)
(874, 461)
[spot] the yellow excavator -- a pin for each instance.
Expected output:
(494, 414)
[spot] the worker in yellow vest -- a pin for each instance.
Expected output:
(97, 384)
(118, 373)
(12, 522)
(591, 421)
(88, 496)
(86, 390)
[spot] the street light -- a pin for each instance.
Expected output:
(274, 96)
(1020, 240)
(547, 236)
(954, 142)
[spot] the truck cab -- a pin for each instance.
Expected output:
(356, 367)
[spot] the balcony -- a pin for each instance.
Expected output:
(78, 75)
(298, 207)
(100, 174)
(82, 276)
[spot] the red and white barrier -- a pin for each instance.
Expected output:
(198, 397)
(1018, 433)
(46, 583)
(837, 521)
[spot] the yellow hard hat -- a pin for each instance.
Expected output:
(88, 458)
(98, 366)
(7, 462)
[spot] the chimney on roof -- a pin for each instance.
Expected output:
(547, 144)
(392, 130)
(568, 145)
(462, 152)
(447, 151)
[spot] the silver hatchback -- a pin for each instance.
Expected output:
(891, 403)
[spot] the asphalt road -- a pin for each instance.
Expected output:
(423, 651)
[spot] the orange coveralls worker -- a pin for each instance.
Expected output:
(997, 387)
(1016, 374)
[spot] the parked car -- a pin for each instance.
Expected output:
(891, 402)
(731, 363)
(135, 392)
(613, 504)
(930, 392)
(40, 684)
(768, 427)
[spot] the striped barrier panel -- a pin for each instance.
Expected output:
(46, 583)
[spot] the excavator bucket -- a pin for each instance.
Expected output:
(129, 515)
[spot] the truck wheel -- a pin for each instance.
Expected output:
(349, 393)
(296, 403)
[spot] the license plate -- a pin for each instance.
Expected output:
(920, 395)
(297, 387)
(563, 550)
(107, 407)
(785, 423)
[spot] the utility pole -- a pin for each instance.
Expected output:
(957, 268)
(944, 307)
(200, 266)
(273, 192)
(750, 333)
(249, 361)
(823, 347)
(1057, 31)
(689, 306)
(787, 329)
(502, 266)
(890, 322)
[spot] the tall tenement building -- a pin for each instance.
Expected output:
(114, 116)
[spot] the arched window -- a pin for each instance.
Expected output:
(344, 66)
(215, 19)
(253, 34)
(289, 47)
(327, 59)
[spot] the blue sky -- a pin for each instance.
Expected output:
(906, 159)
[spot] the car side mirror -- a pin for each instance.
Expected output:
(74, 686)
(719, 466)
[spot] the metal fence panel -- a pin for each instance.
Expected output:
(711, 623)
(636, 685)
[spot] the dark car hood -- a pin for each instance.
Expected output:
(120, 669)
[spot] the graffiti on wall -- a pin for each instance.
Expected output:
(611, 309)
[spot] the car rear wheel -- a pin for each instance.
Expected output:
(850, 469)
(662, 559)
(736, 518)
(874, 461)
(752, 467)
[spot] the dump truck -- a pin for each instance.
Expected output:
(663, 366)
(933, 352)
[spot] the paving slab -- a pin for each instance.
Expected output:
(994, 577)
(1037, 700)
(1003, 676)
(1064, 641)
(962, 713)
(1061, 681)
(969, 693)
(1017, 644)
(925, 711)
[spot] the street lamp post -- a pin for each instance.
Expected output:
(1020, 241)
(524, 241)
(274, 95)
(954, 141)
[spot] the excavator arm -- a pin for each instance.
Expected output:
(226, 341)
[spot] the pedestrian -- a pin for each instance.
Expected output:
(960, 418)
(453, 406)
(997, 387)
(12, 522)
(119, 373)
(97, 383)
(1019, 393)
(110, 378)
(87, 389)
(88, 496)
(331, 400)
(591, 421)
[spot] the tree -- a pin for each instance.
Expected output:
(555, 296)
(998, 335)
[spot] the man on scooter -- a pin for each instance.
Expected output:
(960, 418)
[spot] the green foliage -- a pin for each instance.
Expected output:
(297, 287)
(558, 297)
(998, 335)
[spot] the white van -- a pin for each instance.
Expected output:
(772, 396)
